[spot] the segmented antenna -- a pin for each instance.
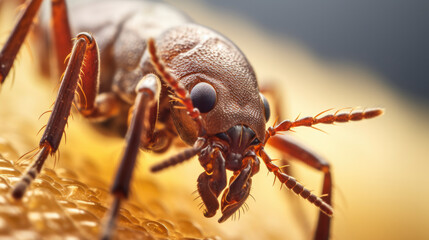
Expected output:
(180, 157)
(287, 125)
(178, 89)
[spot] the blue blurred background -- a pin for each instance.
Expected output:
(388, 37)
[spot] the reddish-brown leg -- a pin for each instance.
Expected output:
(148, 91)
(55, 127)
(89, 102)
(288, 146)
(62, 35)
(295, 186)
(16, 38)
(61, 32)
(270, 90)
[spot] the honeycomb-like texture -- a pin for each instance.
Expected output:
(58, 206)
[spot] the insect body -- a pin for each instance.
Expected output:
(203, 90)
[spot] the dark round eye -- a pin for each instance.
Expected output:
(203, 97)
(266, 107)
(255, 142)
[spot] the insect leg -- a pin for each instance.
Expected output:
(271, 90)
(55, 127)
(237, 192)
(299, 189)
(61, 32)
(212, 182)
(287, 145)
(61, 28)
(91, 105)
(16, 38)
(148, 91)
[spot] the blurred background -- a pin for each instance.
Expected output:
(389, 38)
(317, 55)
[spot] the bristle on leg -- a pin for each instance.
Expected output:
(295, 186)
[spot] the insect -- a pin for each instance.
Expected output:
(147, 72)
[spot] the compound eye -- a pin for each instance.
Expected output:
(267, 110)
(255, 142)
(203, 97)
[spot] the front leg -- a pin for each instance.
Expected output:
(148, 90)
(237, 192)
(212, 181)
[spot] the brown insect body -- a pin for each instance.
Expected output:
(208, 95)
(193, 54)
(122, 32)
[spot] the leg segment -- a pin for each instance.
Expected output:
(271, 90)
(62, 35)
(89, 103)
(17, 37)
(298, 188)
(55, 128)
(212, 182)
(288, 146)
(147, 93)
(61, 32)
(237, 192)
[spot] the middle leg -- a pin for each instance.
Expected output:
(146, 103)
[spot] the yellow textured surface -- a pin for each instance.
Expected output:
(59, 205)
